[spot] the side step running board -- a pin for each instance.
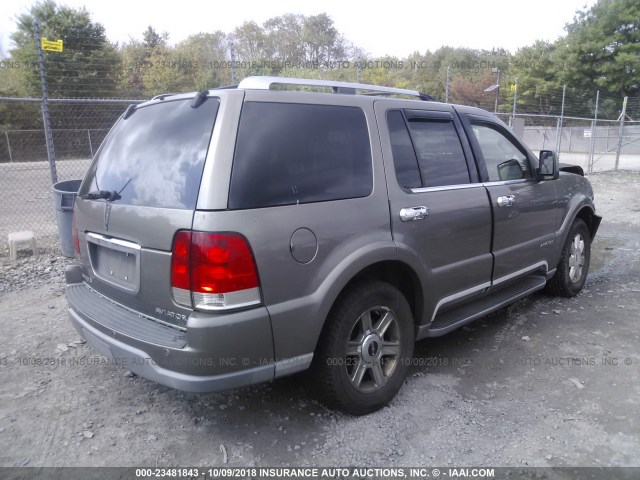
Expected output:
(463, 314)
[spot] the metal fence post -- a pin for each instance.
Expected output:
(90, 144)
(621, 131)
(495, 108)
(233, 62)
(6, 134)
(515, 99)
(570, 138)
(446, 86)
(559, 123)
(46, 119)
(594, 124)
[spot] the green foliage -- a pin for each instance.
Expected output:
(602, 48)
(539, 87)
(87, 67)
(196, 63)
(601, 51)
(152, 39)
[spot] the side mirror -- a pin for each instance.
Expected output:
(548, 165)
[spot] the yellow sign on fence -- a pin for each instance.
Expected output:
(51, 45)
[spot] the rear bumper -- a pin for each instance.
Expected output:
(216, 352)
(140, 362)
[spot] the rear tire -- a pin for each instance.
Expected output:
(571, 273)
(365, 348)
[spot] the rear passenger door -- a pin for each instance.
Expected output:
(440, 213)
(524, 209)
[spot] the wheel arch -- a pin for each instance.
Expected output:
(394, 272)
(580, 206)
(588, 215)
(562, 282)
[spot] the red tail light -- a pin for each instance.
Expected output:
(213, 270)
(180, 261)
(74, 233)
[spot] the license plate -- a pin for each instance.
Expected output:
(115, 261)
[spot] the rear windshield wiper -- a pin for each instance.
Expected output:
(107, 195)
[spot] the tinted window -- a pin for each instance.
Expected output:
(404, 156)
(440, 155)
(292, 153)
(504, 160)
(156, 156)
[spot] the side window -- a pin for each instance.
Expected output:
(504, 160)
(404, 156)
(292, 153)
(440, 155)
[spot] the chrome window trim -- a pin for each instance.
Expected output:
(507, 182)
(460, 186)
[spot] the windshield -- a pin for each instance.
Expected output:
(155, 157)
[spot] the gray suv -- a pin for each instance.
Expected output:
(239, 235)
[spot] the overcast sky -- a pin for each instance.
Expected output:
(399, 29)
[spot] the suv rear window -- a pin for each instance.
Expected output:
(291, 153)
(440, 153)
(156, 156)
(428, 153)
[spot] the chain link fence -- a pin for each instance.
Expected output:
(597, 133)
(78, 127)
(27, 175)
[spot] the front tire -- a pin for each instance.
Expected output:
(571, 273)
(364, 353)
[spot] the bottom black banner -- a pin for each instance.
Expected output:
(320, 473)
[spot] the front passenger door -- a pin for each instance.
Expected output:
(524, 209)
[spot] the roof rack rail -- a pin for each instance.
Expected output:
(226, 87)
(265, 83)
(162, 96)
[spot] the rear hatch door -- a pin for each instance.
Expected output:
(142, 188)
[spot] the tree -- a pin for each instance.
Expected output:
(322, 41)
(200, 59)
(251, 48)
(136, 61)
(283, 39)
(539, 86)
(151, 39)
(87, 67)
(602, 48)
(470, 90)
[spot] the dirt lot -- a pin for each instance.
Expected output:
(546, 382)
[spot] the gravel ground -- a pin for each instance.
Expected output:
(31, 272)
(545, 382)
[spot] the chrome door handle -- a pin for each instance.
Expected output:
(410, 214)
(506, 201)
